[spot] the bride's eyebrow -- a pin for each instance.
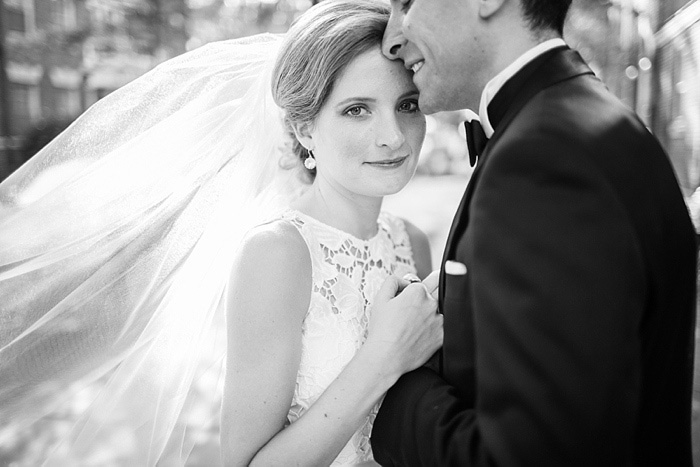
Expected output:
(361, 99)
(356, 99)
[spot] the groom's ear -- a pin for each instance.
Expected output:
(488, 8)
(303, 133)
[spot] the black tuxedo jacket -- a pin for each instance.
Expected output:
(569, 341)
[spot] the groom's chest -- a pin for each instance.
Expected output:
(457, 306)
(457, 298)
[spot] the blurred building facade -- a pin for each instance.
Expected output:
(38, 83)
(675, 113)
(60, 56)
(657, 73)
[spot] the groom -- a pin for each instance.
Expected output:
(568, 280)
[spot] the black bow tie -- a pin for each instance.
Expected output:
(476, 140)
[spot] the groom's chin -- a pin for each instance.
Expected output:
(427, 106)
(430, 103)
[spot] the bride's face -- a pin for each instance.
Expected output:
(368, 134)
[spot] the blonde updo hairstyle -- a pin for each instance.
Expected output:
(316, 50)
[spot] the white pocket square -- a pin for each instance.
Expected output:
(455, 268)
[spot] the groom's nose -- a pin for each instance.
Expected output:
(393, 41)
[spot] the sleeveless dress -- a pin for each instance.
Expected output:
(346, 273)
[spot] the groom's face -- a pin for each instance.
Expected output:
(438, 40)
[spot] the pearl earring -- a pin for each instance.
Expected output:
(310, 161)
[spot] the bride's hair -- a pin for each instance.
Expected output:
(316, 50)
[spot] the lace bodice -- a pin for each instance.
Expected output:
(347, 272)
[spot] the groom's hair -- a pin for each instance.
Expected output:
(546, 14)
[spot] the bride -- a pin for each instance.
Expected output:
(177, 201)
(325, 360)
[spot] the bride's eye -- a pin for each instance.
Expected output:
(409, 106)
(355, 111)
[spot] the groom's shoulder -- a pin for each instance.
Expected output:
(585, 112)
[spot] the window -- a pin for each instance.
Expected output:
(14, 13)
(20, 16)
(67, 103)
(65, 14)
(24, 95)
(66, 83)
(25, 107)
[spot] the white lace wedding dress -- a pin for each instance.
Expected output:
(347, 272)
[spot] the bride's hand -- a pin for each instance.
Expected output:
(405, 328)
(432, 282)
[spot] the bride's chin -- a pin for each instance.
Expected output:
(393, 188)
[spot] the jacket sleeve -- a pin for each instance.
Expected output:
(557, 294)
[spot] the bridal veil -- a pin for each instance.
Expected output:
(116, 244)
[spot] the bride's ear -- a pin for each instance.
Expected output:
(302, 131)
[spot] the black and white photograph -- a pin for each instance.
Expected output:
(349, 233)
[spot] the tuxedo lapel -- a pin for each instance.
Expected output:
(554, 66)
(548, 69)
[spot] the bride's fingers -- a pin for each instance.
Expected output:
(411, 278)
(390, 288)
(432, 282)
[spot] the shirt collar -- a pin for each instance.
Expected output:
(493, 86)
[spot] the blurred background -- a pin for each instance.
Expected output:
(57, 57)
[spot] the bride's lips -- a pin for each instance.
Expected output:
(388, 163)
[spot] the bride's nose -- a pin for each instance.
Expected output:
(390, 133)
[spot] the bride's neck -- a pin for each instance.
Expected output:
(349, 212)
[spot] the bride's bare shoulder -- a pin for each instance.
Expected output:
(279, 238)
(275, 251)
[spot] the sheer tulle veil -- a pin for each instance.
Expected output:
(116, 245)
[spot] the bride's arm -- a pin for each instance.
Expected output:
(268, 298)
(272, 292)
